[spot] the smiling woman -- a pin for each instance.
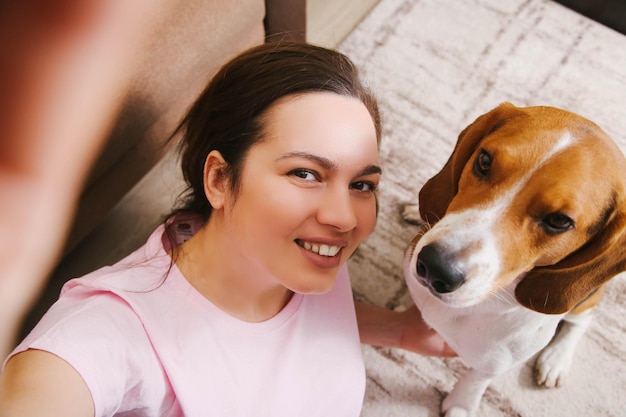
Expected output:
(240, 303)
(306, 188)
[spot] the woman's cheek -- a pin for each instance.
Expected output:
(367, 217)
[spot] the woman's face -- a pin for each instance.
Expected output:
(307, 196)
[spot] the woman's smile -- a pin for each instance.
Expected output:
(314, 254)
(321, 249)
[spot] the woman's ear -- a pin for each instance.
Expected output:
(215, 179)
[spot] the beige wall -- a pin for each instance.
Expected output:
(329, 21)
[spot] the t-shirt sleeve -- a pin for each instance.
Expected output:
(100, 336)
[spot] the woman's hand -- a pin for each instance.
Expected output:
(379, 326)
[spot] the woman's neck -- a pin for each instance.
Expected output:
(215, 269)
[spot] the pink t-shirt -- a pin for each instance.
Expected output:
(148, 344)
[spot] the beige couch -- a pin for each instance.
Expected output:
(188, 43)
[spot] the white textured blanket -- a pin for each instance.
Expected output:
(436, 65)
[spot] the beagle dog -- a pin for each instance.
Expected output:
(520, 230)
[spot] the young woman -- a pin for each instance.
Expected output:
(240, 303)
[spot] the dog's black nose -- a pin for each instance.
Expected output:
(442, 276)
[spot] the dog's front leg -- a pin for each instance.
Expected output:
(465, 397)
(553, 363)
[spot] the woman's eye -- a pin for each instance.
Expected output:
(304, 174)
(364, 186)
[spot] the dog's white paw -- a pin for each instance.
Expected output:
(411, 214)
(464, 399)
(552, 366)
(452, 408)
(554, 362)
(458, 402)
(457, 412)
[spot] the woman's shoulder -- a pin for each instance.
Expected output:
(102, 338)
(81, 322)
(94, 317)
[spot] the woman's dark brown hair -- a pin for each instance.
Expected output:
(228, 115)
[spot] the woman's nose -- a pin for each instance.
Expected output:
(337, 209)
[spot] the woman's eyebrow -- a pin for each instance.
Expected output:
(327, 163)
(371, 169)
(323, 162)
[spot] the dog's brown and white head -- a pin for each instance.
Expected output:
(534, 195)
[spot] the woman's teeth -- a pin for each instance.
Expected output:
(323, 250)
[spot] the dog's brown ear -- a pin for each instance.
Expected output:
(438, 192)
(559, 288)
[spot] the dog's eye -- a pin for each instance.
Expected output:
(555, 223)
(482, 163)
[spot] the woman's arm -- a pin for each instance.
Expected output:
(379, 326)
(35, 383)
